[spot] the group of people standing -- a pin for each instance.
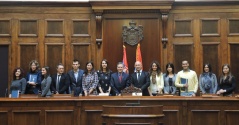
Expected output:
(208, 82)
(151, 83)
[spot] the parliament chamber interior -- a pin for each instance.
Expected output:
(59, 31)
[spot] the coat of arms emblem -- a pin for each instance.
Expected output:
(132, 34)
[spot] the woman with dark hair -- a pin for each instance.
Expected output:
(46, 82)
(169, 79)
(156, 79)
(19, 82)
(208, 80)
(89, 79)
(33, 78)
(227, 82)
(104, 75)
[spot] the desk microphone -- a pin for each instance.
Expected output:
(6, 93)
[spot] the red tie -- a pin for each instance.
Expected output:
(120, 78)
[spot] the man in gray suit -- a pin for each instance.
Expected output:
(75, 76)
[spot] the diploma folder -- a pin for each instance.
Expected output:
(183, 81)
(33, 78)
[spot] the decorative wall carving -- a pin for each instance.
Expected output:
(98, 19)
(132, 34)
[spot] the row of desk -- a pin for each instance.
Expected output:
(67, 110)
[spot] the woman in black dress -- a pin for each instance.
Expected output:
(227, 82)
(104, 75)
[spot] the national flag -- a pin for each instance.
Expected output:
(126, 69)
(138, 55)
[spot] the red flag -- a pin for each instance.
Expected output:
(126, 69)
(138, 55)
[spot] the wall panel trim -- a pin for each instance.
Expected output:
(54, 43)
(27, 43)
(210, 43)
(16, 111)
(80, 43)
(184, 43)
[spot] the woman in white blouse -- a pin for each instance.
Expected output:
(156, 79)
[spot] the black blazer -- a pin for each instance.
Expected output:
(116, 85)
(63, 85)
(76, 85)
(143, 83)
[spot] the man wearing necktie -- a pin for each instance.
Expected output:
(60, 81)
(119, 80)
(140, 79)
(120, 77)
(138, 76)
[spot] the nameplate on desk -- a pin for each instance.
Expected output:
(103, 94)
(15, 94)
(136, 94)
(168, 95)
(210, 95)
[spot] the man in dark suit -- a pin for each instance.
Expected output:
(140, 79)
(75, 76)
(119, 80)
(60, 81)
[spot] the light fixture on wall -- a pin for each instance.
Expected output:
(164, 42)
(164, 13)
(98, 42)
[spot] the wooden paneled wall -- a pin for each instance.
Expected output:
(50, 35)
(204, 34)
(150, 46)
(53, 34)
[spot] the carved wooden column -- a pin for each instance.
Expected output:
(98, 17)
(165, 26)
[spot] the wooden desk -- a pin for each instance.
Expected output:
(88, 110)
